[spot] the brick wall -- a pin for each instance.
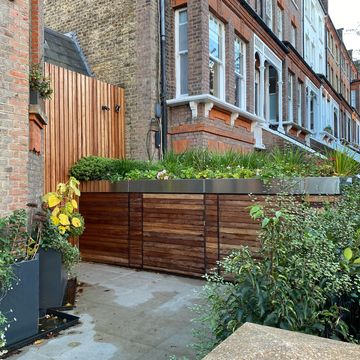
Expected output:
(120, 41)
(14, 95)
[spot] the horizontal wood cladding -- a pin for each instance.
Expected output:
(236, 228)
(177, 245)
(106, 236)
(176, 233)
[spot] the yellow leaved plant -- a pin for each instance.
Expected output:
(63, 208)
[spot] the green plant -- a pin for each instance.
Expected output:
(305, 277)
(51, 238)
(204, 164)
(15, 245)
(3, 322)
(97, 168)
(63, 207)
(329, 130)
(40, 83)
(61, 221)
(343, 163)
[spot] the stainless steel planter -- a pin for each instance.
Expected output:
(296, 186)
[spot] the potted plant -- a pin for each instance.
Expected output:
(19, 279)
(40, 86)
(329, 130)
(58, 256)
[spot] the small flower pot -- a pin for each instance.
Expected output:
(22, 302)
(53, 280)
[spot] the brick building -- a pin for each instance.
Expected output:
(21, 158)
(240, 74)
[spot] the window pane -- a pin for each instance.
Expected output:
(183, 17)
(183, 37)
(214, 39)
(184, 74)
(239, 57)
(238, 95)
(214, 78)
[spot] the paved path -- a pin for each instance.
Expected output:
(125, 315)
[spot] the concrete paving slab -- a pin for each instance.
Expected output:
(125, 315)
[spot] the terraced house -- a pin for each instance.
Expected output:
(221, 74)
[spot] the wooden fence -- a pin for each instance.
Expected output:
(181, 233)
(86, 117)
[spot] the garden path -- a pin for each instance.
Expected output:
(125, 315)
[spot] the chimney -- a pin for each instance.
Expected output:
(340, 33)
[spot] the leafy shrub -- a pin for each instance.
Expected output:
(306, 276)
(98, 168)
(51, 238)
(343, 163)
(15, 245)
(62, 220)
(204, 164)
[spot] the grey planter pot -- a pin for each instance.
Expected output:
(53, 280)
(23, 301)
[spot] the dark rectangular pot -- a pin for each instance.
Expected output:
(22, 302)
(53, 279)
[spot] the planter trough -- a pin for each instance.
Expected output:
(22, 302)
(53, 280)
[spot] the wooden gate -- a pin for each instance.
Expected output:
(86, 117)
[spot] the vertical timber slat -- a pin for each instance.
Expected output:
(77, 126)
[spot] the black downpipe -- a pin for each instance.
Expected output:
(163, 95)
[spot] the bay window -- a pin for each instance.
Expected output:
(181, 47)
(217, 58)
(239, 51)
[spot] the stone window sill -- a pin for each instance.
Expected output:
(210, 101)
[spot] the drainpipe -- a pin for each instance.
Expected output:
(163, 94)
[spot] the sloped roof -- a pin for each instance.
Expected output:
(64, 50)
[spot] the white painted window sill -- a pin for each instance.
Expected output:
(210, 101)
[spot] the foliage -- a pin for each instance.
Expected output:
(40, 83)
(329, 130)
(62, 220)
(63, 207)
(343, 163)
(97, 168)
(3, 322)
(306, 276)
(15, 245)
(204, 164)
(51, 238)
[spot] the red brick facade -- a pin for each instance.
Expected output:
(301, 104)
(19, 178)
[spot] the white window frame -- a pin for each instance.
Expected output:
(269, 13)
(178, 54)
(353, 98)
(293, 35)
(279, 22)
(290, 97)
(241, 101)
(219, 62)
(299, 102)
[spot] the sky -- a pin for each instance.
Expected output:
(346, 14)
